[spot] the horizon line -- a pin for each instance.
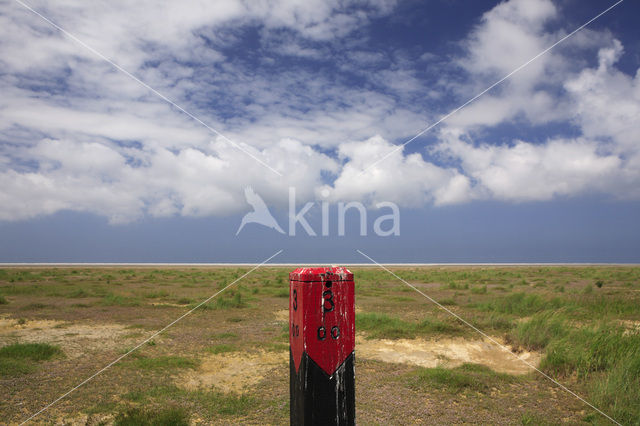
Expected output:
(221, 264)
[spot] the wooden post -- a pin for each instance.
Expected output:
(322, 343)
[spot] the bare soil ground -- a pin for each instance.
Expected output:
(227, 363)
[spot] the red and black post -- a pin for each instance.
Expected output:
(322, 343)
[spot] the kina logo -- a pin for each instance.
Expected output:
(260, 214)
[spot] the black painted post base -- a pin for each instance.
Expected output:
(320, 399)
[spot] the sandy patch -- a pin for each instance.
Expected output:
(447, 352)
(75, 339)
(85, 420)
(168, 304)
(631, 327)
(233, 372)
(282, 315)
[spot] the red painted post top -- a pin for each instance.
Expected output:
(337, 273)
(322, 316)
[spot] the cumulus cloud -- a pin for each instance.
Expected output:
(124, 185)
(408, 180)
(525, 171)
(294, 83)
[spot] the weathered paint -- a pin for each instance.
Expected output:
(322, 341)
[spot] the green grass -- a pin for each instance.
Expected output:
(383, 326)
(14, 367)
(473, 377)
(571, 315)
(521, 304)
(479, 290)
(229, 301)
(226, 335)
(282, 293)
(227, 404)
(165, 416)
(21, 358)
(222, 348)
(213, 403)
(494, 321)
(112, 299)
(77, 294)
(34, 306)
(532, 419)
(156, 295)
(537, 332)
(30, 351)
(163, 363)
(603, 356)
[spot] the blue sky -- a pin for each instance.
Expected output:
(319, 96)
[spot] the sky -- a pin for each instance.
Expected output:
(131, 131)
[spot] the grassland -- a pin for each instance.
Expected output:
(59, 326)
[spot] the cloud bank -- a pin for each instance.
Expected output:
(300, 85)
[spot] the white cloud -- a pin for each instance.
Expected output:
(77, 134)
(97, 178)
(533, 172)
(407, 180)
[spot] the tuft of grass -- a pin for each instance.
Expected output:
(3, 301)
(599, 283)
(619, 389)
(383, 326)
(537, 332)
(20, 358)
(163, 363)
(494, 322)
(473, 377)
(606, 357)
(30, 351)
(165, 416)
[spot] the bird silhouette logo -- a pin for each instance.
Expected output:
(260, 213)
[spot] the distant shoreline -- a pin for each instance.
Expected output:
(151, 264)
